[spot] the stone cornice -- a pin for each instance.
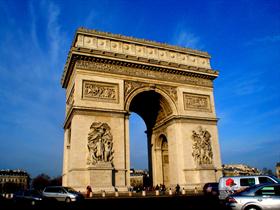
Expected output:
(88, 111)
(129, 50)
(145, 64)
(183, 119)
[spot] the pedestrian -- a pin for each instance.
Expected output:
(88, 191)
(177, 189)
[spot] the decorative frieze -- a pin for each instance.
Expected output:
(202, 149)
(197, 102)
(100, 91)
(142, 50)
(100, 144)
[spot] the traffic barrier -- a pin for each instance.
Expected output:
(157, 192)
(143, 193)
(170, 191)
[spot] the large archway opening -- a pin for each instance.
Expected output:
(151, 108)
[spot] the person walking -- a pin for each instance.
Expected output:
(177, 189)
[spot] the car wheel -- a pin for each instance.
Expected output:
(252, 208)
(67, 200)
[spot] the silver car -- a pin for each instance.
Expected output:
(257, 197)
(60, 193)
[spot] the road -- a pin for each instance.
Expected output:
(131, 203)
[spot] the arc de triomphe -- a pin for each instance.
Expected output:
(108, 76)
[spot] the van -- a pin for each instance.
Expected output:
(60, 193)
(231, 184)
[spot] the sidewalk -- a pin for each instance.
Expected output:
(145, 194)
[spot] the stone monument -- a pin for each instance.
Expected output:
(108, 76)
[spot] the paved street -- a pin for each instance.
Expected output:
(132, 203)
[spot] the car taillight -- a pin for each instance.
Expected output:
(231, 200)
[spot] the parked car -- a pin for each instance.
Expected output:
(211, 188)
(229, 185)
(32, 197)
(60, 193)
(257, 197)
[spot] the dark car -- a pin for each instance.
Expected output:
(211, 188)
(257, 197)
(32, 197)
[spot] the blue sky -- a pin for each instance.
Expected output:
(243, 38)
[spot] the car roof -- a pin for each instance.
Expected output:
(246, 176)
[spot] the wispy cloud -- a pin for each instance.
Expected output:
(248, 86)
(32, 100)
(54, 32)
(185, 38)
(264, 40)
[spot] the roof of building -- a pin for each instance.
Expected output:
(13, 172)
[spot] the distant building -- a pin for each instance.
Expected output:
(278, 170)
(13, 180)
(138, 177)
(239, 170)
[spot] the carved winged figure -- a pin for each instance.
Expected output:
(100, 143)
(202, 150)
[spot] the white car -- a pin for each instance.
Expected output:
(60, 193)
(229, 185)
(257, 197)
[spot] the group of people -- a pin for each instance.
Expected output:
(160, 187)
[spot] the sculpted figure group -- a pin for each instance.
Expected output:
(202, 150)
(100, 143)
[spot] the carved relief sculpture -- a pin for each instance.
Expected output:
(202, 150)
(100, 91)
(100, 143)
(197, 102)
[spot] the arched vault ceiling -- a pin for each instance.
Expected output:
(151, 106)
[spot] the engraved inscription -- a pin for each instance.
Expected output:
(100, 91)
(197, 102)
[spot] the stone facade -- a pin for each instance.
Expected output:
(106, 77)
(239, 170)
(13, 180)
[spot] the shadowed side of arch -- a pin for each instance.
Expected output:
(152, 104)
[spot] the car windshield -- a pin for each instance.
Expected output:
(274, 177)
(71, 190)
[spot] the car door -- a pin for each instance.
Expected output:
(269, 197)
(61, 194)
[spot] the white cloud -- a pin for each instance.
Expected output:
(185, 38)
(189, 40)
(264, 40)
